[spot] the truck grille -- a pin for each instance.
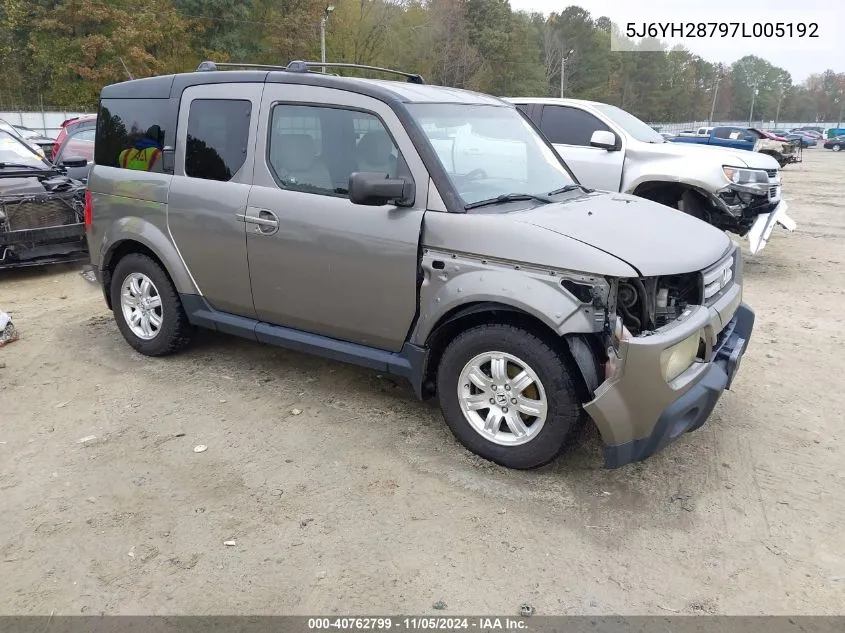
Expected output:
(38, 213)
(772, 173)
(773, 192)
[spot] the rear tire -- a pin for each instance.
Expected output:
(147, 308)
(836, 147)
(508, 396)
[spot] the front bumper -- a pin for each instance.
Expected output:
(35, 247)
(765, 223)
(638, 413)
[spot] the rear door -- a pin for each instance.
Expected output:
(319, 263)
(570, 129)
(212, 174)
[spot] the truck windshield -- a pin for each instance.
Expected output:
(635, 128)
(490, 151)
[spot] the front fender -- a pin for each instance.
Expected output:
(465, 280)
(142, 231)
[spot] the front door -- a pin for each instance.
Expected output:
(317, 262)
(211, 183)
(570, 129)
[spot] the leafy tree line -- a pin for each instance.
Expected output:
(61, 53)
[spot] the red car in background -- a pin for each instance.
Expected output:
(77, 144)
(87, 122)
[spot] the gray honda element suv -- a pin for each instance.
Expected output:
(425, 231)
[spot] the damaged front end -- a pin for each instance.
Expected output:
(672, 345)
(43, 223)
(749, 205)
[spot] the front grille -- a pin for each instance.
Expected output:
(41, 212)
(773, 192)
(773, 173)
(717, 278)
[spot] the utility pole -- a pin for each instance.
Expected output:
(753, 99)
(323, 21)
(563, 60)
(780, 100)
(715, 92)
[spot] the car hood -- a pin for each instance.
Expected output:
(728, 156)
(649, 237)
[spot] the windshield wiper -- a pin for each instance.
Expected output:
(508, 197)
(571, 187)
(18, 166)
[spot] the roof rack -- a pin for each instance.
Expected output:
(306, 67)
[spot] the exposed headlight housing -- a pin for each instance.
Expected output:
(677, 359)
(743, 179)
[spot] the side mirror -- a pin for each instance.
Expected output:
(604, 140)
(73, 161)
(375, 189)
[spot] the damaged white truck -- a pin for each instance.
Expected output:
(610, 149)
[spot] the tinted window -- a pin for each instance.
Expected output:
(569, 126)
(218, 132)
(124, 124)
(315, 149)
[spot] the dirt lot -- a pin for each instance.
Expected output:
(364, 503)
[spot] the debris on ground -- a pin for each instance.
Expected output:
(526, 610)
(88, 275)
(230, 543)
(86, 439)
(439, 605)
(295, 411)
(200, 448)
(8, 333)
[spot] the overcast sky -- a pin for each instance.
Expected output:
(799, 57)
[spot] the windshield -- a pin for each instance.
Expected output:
(13, 151)
(490, 151)
(635, 128)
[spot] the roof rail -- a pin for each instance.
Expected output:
(306, 67)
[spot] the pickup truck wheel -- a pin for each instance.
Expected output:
(147, 308)
(507, 395)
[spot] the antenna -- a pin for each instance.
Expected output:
(125, 68)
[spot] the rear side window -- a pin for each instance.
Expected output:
(127, 124)
(569, 126)
(218, 132)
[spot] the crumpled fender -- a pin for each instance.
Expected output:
(467, 280)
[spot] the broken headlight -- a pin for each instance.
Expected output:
(748, 180)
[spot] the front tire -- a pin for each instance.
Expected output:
(507, 395)
(147, 308)
(836, 147)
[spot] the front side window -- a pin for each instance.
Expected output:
(132, 133)
(218, 133)
(488, 151)
(569, 126)
(315, 149)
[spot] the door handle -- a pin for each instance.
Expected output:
(266, 222)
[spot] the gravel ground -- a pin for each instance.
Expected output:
(328, 488)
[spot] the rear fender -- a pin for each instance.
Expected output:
(141, 231)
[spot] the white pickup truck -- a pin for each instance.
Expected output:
(610, 149)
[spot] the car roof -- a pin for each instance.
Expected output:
(553, 101)
(165, 86)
